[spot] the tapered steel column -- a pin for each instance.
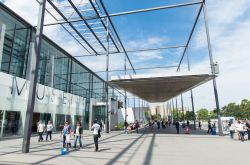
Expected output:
(191, 95)
(182, 107)
(212, 70)
(33, 79)
(134, 109)
(177, 109)
(125, 97)
(107, 79)
(2, 33)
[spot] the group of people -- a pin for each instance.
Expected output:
(129, 127)
(68, 132)
(211, 127)
(241, 129)
(41, 128)
(159, 123)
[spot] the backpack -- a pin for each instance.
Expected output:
(99, 133)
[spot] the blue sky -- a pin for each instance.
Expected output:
(229, 23)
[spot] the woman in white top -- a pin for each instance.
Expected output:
(96, 129)
(231, 129)
(241, 130)
(40, 129)
(49, 130)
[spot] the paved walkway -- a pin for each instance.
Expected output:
(154, 147)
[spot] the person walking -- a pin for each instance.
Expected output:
(158, 124)
(66, 135)
(209, 127)
(177, 125)
(126, 127)
(248, 129)
(199, 124)
(137, 126)
(96, 128)
(78, 134)
(49, 128)
(231, 129)
(241, 130)
(40, 130)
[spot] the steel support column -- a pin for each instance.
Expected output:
(182, 107)
(139, 105)
(33, 79)
(191, 94)
(212, 70)
(2, 124)
(173, 109)
(177, 113)
(107, 78)
(134, 109)
(125, 97)
(2, 33)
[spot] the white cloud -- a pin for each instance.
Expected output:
(230, 39)
(229, 24)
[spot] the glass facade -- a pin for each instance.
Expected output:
(57, 69)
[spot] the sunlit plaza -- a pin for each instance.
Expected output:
(115, 82)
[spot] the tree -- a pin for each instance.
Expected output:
(213, 114)
(189, 115)
(245, 107)
(202, 114)
(232, 109)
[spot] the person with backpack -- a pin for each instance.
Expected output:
(96, 133)
(66, 135)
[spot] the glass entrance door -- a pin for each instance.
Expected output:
(99, 112)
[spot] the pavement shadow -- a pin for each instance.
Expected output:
(58, 155)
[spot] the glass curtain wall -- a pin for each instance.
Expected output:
(16, 45)
(63, 72)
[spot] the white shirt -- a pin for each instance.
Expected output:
(40, 127)
(49, 127)
(232, 127)
(77, 131)
(95, 128)
(239, 127)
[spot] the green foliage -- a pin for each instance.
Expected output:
(120, 126)
(189, 115)
(213, 114)
(156, 117)
(239, 111)
(202, 114)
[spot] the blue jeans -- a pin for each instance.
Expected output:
(80, 140)
(126, 130)
(231, 134)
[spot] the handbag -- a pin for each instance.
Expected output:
(68, 138)
(99, 133)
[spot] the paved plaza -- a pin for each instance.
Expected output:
(151, 146)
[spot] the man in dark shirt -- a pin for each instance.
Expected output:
(177, 125)
(248, 129)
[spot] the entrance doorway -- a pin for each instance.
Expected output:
(99, 113)
(45, 117)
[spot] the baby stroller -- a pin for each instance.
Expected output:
(187, 130)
